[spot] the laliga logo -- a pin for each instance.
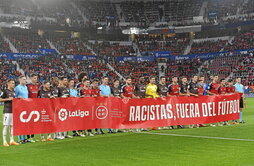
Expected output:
(101, 112)
(62, 114)
(22, 119)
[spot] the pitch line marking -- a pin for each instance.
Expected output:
(195, 136)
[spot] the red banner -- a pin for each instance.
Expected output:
(37, 116)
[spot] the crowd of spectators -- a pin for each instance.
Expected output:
(8, 71)
(175, 45)
(27, 42)
(243, 40)
(112, 49)
(208, 46)
(4, 46)
(70, 46)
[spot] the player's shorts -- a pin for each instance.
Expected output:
(241, 103)
(7, 119)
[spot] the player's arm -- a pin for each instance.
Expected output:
(3, 97)
(193, 94)
(169, 90)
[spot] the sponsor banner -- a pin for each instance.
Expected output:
(212, 14)
(81, 57)
(47, 51)
(14, 56)
(210, 55)
(135, 59)
(161, 54)
(36, 116)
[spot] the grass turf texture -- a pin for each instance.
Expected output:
(143, 149)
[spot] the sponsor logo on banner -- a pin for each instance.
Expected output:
(63, 114)
(26, 120)
(101, 112)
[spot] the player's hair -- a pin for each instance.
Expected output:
(116, 80)
(201, 76)
(223, 79)
(104, 77)
(151, 77)
(10, 80)
(194, 75)
(81, 76)
(71, 79)
(163, 77)
(230, 80)
(21, 76)
(95, 80)
(33, 74)
(216, 75)
(174, 77)
(45, 82)
(183, 77)
(63, 77)
(86, 80)
(127, 78)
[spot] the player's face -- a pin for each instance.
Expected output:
(152, 81)
(175, 79)
(34, 79)
(128, 81)
(216, 78)
(55, 82)
(87, 84)
(238, 80)
(202, 78)
(65, 81)
(163, 80)
(11, 84)
(116, 83)
(22, 80)
(95, 84)
(105, 80)
(71, 83)
(195, 78)
(142, 80)
(184, 80)
(223, 82)
(85, 77)
(47, 86)
(201, 83)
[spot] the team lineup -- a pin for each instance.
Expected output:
(63, 87)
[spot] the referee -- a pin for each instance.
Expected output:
(21, 92)
(239, 89)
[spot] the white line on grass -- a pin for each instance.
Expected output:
(196, 136)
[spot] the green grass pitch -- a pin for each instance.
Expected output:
(144, 149)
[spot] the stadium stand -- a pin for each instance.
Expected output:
(27, 42)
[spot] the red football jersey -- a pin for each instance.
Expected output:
(173, 90)
(230, 89)
(214, 88)
(33, 90)
(86, 92)
(222, 90)
(128, 91)
(200, 91)
(96, 92)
